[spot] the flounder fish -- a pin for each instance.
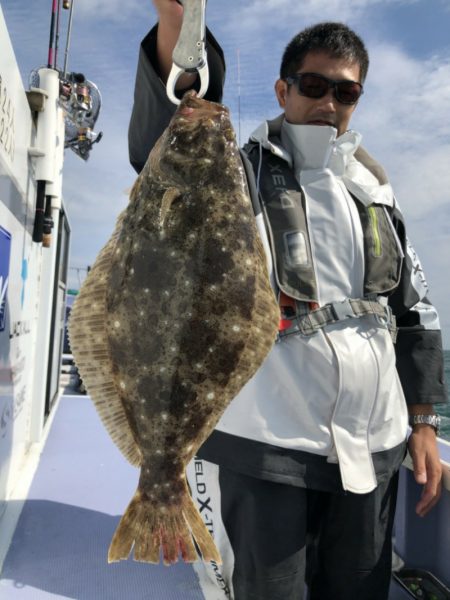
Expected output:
(175, 316)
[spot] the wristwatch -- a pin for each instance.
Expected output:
(433, 420)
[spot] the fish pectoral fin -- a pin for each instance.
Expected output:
(170, 195)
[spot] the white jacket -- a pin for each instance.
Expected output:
(336, 393)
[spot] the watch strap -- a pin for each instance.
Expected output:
(433, 420)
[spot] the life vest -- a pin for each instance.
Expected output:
(284, 206)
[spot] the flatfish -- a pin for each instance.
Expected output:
(175, 316)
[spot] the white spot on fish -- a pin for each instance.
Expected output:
(132, 271)
(236, 328)
(162, 369)
(173, 348)
(167, 485)
(210, 350)
(146, 290)
(156, 486)
(248, 262)
(189, 448)
(122, 385)
(166, 293)
(158, 451)
(116, 324)
(213, 288)
(211, 396)
(199, 366)
(164, 416)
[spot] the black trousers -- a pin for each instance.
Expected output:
(282, 535)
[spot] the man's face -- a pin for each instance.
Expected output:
(301, 110)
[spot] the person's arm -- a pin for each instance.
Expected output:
(419, 357)
(152, 109)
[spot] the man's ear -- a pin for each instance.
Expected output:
(281, 90)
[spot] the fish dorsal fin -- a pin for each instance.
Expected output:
(89, 344)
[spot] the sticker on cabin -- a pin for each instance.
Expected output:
(5, 251)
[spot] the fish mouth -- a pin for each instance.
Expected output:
(193, 107)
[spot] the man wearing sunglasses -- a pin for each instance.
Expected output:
(299, 479)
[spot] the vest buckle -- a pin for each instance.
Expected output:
(342, 310)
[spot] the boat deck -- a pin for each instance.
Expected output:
(80, 490)
(78, 494)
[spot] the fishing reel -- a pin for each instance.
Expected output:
(81, 101)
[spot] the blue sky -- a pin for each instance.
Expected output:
(403, 115)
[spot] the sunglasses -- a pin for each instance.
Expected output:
(313, 85)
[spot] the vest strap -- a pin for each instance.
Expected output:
(334, 312)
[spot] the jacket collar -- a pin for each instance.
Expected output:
(330, 151)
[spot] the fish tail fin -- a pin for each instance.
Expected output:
(202, 536)
(150, 528)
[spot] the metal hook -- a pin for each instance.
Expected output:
(189, 54)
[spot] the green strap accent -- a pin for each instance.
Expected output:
(375, 232)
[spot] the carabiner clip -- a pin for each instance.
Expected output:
(189, 54)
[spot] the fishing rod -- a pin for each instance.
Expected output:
(50, 61)
(68, 4)
(58, 15)
(80, 101)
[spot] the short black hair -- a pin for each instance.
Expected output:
(336, 39)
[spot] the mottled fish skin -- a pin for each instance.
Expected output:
(189, 314)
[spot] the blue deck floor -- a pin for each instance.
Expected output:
(81, 488)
